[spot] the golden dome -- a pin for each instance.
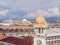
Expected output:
(40, 20)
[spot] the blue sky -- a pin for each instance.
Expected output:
(18, 9)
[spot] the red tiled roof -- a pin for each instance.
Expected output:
(19, 41)
(1, 36)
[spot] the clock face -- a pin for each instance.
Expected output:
(39, 42)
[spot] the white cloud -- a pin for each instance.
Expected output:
(28, 4)
(4, 12)
(37, 13)
(54, 10)
(51, 12)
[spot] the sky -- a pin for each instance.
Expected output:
(29, 9)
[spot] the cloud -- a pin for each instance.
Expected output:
(51, 12)
(54, 10)
(4, 12)
(35, 14)
(28, 4)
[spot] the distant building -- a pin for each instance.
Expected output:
(7, 22)
(24, 22)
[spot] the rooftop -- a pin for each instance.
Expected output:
(52, 31)
(18, 41)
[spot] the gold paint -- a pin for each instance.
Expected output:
(41, 22)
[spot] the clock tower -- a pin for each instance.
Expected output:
(39, 29)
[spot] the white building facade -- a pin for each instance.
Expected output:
(44, 35)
